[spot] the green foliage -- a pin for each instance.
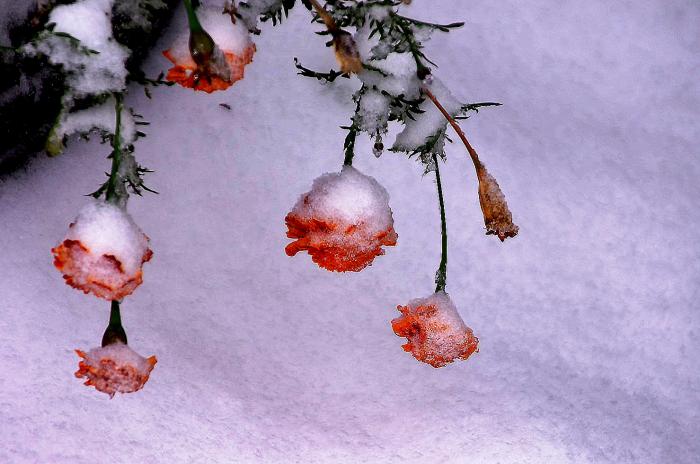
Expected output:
(140, 78)
(330, 76)
(73, 41)
(275, 11)
(126, 174)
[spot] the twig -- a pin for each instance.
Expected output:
(455, 126)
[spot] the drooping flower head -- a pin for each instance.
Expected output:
(343, 222)
(435, 331)
(114, 368)
(213, 54)
(497, 216)
(103, 252)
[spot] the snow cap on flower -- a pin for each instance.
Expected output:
(114, 368)
(497, 216)
(343, 222)
(103, 252)
(435, 331)
(223, 65)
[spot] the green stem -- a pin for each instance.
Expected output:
(115, 332)
(441, 274)
(350, 146)
(115, 317)
(201, 44)
(112, 195)
(192, 16)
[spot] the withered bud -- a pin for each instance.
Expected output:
(497, 216)
(346, 52)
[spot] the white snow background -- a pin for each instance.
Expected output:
(588, 319)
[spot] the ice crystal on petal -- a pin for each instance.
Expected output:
(435, 331)
(343, 222)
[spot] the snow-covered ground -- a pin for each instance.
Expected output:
(588, 321)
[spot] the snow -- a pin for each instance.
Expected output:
(399, 69)
(374, 111)
(587, 320)
(254, 8)
(434, 329)
(401, 79)
(120, 353)
(228, 37)
(103, 252)
(95, 65)
(349, 195)
(343, 222)
(89, 21)
(102, 117)
(115, 368)
(430, 122)
(107, 229)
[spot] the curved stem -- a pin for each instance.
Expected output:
(112, 195)
(455, 126)
(441, 274)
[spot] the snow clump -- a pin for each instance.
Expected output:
(96, 64)
(343, 222)
(435, 331)
(114, 368)
(103, 252)
(101, 117)
(431, 124)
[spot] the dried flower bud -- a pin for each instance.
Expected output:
(497, 216)
(346, 52)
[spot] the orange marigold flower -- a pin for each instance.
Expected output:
(103, 252)
(343, 222)
(435, 331)
(223, 65)
(114, 368)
